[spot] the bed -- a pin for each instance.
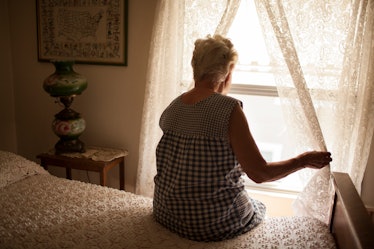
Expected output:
(39, 210)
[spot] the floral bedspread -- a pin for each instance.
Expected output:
(43, 211)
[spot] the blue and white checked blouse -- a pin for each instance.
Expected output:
(199, 193)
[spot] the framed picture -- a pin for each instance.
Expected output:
(86, 31)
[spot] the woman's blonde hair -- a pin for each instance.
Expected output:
(212, 58)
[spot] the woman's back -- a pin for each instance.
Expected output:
(199, 193)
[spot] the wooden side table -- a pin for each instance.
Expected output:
(93, 160)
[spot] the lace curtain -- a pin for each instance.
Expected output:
(323, 61)
(322, 52)
(176, 27)
(163, 75)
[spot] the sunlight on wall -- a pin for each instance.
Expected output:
(276, 204)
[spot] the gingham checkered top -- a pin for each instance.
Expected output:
(198, 190)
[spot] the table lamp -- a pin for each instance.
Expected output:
(64, 85)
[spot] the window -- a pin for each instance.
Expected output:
(254, 85)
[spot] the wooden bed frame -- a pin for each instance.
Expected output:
(350, 224)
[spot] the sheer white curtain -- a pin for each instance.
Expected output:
(163, 77)
(323, 56)
(177, 25)
(323, 59)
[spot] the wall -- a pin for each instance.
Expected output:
(111, 105)
(367, 193)
(8, 138)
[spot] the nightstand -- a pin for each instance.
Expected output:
(95, 159)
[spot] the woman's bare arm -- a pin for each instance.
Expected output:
(251, 160)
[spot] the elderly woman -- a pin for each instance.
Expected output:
(205, 149)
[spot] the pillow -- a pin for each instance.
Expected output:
(14, 168)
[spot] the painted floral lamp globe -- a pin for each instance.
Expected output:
(65, 84)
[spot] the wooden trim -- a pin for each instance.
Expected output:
(351, 224)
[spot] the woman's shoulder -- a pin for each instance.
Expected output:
(213, 101)
(228, 99)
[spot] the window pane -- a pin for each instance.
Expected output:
(253, 75)
(248, 38)
(265, 118)
(253, 66)
(270, 132)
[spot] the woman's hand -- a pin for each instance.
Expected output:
(314, 159)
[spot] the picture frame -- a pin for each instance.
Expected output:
(87, 32)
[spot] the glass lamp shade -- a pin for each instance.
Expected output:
(64, 81)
